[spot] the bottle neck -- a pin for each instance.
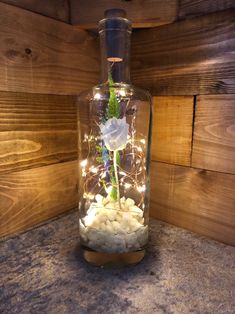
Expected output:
(115, 54)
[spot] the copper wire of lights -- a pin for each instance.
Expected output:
(128, 179)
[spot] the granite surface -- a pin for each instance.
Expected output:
(42, 272)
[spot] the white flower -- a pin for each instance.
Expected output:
(114, 133)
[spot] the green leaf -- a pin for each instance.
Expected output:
(99, 159)
(113, 106)
(113, 193)
(99, 149)
(110, 79)
(113, 180)
(103, 183)
(118, 160)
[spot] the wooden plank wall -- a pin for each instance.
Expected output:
(191, 8)
(214, 133)
(42, 55)
(193, 168)
(193, 184)
(148, 13)
(190, 57)
(44, 63)
(56, 9)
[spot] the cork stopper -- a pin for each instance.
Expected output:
(115, 25)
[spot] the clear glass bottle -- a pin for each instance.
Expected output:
(114, 128)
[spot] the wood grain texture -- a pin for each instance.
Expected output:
(198, 200)
(57, 9)
(214, 133)
(32, 196)
(150, 13)
(191, 8)
(190, 57)
(41, 55)
(172, 129)
(36, 130)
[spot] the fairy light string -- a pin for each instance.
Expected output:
(133, 178)
(108, 168)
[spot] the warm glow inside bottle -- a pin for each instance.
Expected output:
(114, 127)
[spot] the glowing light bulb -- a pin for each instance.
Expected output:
(83, 163)
(93, 169)
(122, 92)
(103, 175)
(127, 185)
(109, 189)
(85, 138)
(97, 96)
(141, 188)
(89, 196)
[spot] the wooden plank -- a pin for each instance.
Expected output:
(36, 112)
(36, 130)
(190, 57)
(32, 196)
(24, 150)
(57, 9)
(172, 129)
(214, 133)
(147, 13)
(198, 200)
(191, 8)
(41, 55)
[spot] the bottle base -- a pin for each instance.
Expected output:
(113, 259)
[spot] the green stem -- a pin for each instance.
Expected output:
(116, 176)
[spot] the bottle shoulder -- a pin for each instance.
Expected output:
(102, 91)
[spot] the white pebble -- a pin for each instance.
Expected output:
(119, 216)
(110, 206)
(123, 199)
(109, 227)
(102, 216)
(111, 214)
(129, 202)
(131, 239)
(135, 225)
(106, 228)
(136, 209)
(142, 235)
(116, 226)
(127, 216)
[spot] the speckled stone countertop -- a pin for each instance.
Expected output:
(42, 272)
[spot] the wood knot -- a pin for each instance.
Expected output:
(28, 51)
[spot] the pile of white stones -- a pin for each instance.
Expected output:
(107, 228)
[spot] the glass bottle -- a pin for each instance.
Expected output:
(114, 135)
